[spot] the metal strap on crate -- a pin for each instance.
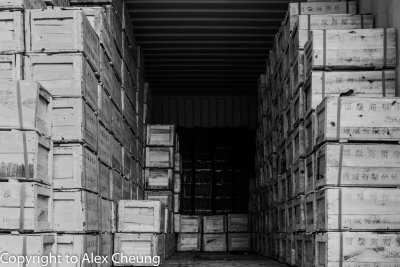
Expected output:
(24, 144)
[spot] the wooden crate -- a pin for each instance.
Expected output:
(13, 67)
(54, 3)
(310, 132)
(177, 183)
(109, 80)
(310, 213)
(322, 7)
(360, 83)
(358, 119)
(116, 156)
(67, 25)
(308, 23)
(298, 107)
(309, 174)
(170, 245)
(160, 135)
(238, 223)
(214, 224)
(141, 216)
(298, 147)
(239, 242)
(107, 216)
(355, 249)
(374, 165)
(25, 156)
(158, 179)
(25, 207)
(297, 76)
(106, 248)
(104, 145)
(77, 245)
(64, 75)
(189, 242)
(159, 157)
(126, 189)
(290, 249)
(298, 177)
(282, 218)
(134, 191)
(83, 211)
(128, 110)
(12, 32)
(214, 242)
(288, 152)
(116, 186)
(165, 197)
(134, 170)
(289, 216)
(104, 181)
(190, 224)
(298, 209)
(129, 85)
(309, 250)
(299, 249)
(139, 249)
(354, 49)
(73, 121)
(282, 240)
(127, 54)
(75, 167)
(126, 163)
(177, 203)
(22, 4)
(177, 162)
(117, 123)
(17, 115)
(31, 244)
(104, 108)
(357, 209)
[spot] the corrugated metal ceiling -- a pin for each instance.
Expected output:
(205, 46)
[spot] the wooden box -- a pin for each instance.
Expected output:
(64, 75)
(141, 216)
(126, 189)
(190, 224)
(289, 216)
(360, 83)
(309, 250)
(166, 198)
(310, 213)
(374, 165)
(107, 216)
(310, 132)
(83, 211)
(128, 110)
(309, 175)
(214, 242)
(214, 224)
(15, 114)
(79, 246)
(357, 208)
(104, 145)
(298, 107)
(159, 157)
(355, 249)
(358, 119)
(116, 156)
(298, 135)
(177, 203)
(239, 242)
(13, 67)
(54, 3)
(32, 244)
(25, 207)
(104, 107)
(116, 186)
(70, 31)
(177, 183)
(134, 191)
(350, 49)
(104, 181)
(177, 162)
(298, 209)
(238, 223)
(288, 152)
(297, 75)
(189, 242)
(73, 121)
(298, 177)
(117, 123)
(158, 179)
(129, 85)
(22, 4)
(106, 248)
(126, 163)
(75, 167)
(139, 249)
(25, 155)
(127, 54)
(160, 135)
(109, 80)
(299, 249)
(282, 218)
(12, 32)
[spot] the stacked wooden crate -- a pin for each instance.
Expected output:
(162, 173)
(189, 228)
(329, 80)
(140, 239)
(214, 233)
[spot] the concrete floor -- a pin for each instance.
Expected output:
(219, 259)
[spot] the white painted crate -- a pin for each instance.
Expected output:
(64, 75)
(83, 211)
(77, 245)
(75, 167)
(26, 206)
(12, 28)
(15, 114)
(12, 67)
